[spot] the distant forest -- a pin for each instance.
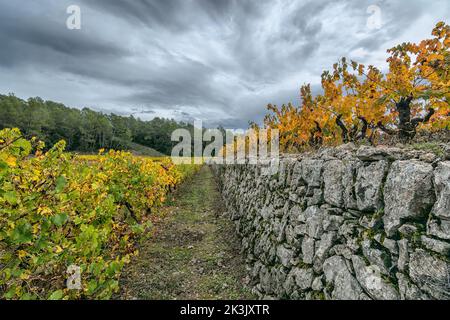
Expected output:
(86, 130)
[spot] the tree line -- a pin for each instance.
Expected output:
(85, 130)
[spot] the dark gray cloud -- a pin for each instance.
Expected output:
(30, 37)
(221, 61)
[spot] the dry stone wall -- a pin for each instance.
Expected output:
(344, 223)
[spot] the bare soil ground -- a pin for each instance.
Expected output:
(194, 254)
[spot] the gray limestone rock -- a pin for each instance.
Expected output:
(346, 287)
(317, 284)
(430, 273)
(332, 222)
(285, 255)
(348, 182)
(367, 153)
(439, 228)
(303, 277)
(370, 278)
(332, 178)
(408, 290)
(408, 230)
(368, 186)
(437, 246)
(408, 193)
(311, 172)
(308, 246)
(377, 257)
(316, 198)
(322, 249)
(314, 221)
(442, 182)
(298, 278)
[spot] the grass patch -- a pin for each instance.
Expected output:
(432, 147)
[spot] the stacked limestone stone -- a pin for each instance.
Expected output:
(344, 223)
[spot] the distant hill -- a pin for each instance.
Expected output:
(141, 150)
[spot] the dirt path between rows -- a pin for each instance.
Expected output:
(195, 252)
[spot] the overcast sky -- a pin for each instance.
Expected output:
(221, 61)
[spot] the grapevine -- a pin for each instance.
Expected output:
(361, 102)
(58, 209)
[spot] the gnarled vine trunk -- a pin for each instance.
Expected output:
(406, 126)
(406, 130)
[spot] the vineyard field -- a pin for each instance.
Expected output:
(60, 210)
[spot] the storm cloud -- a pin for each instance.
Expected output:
(220, 61)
